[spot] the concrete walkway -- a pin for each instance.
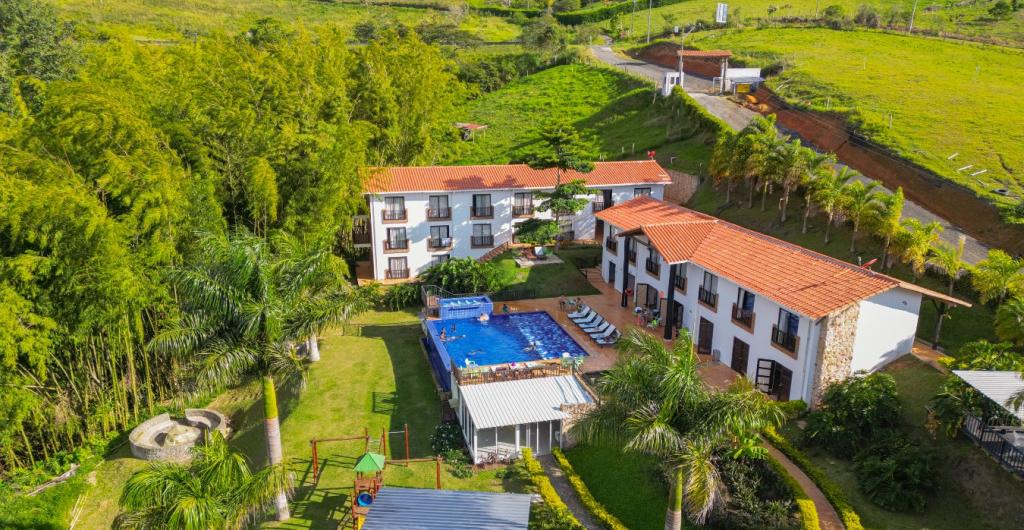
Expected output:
(567, 493)
(828, 518)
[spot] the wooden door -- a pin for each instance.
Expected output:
(705, 336)
(740, 356)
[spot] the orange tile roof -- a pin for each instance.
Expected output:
(516, 176)
(801, 280)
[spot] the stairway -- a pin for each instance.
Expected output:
(495, 252)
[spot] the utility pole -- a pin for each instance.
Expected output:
(913, 13)
(650, 6)
(632, 20)
(682, 38)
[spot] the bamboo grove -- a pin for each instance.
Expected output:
(115, 158)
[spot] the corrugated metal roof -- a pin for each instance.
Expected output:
(422, 509)
(998, 386)
(523, 401)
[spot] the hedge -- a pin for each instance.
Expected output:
(808, 512)
(832, 491)
(593, 506)
(502, 11)
(696, 113)
(547, 492)
(601, 12)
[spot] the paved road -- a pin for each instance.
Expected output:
(738, 117)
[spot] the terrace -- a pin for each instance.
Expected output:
(1001, 436)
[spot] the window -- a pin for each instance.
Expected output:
(788, 322)
(397, 268)
(482, 206)
(611, 242)
(439, 259)
(439, 237)
(482, 236)
(565, 231)
(522, 204)
(394, 208)
(641, 192)
(743, 309)
(437, 207)
(784, 333)
(396, 239)
(708, 292)
(654, 263)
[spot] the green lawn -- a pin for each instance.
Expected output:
(628, 485)
(374, 377)
(551, 280)
(942, 97)
(973, 491)
(170, 19)
(963, 325)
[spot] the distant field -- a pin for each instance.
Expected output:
(171, 18)
(944, 97)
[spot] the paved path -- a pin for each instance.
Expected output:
(738, 117)
(828, 519)
(567, 493)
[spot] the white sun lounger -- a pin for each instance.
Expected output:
(586, 316)
(612, 339)
(597, 328)
(590, 321)
(604, 334)
(583, 311)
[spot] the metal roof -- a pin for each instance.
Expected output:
(522, 401)
(423, 509)
(998, 386)
(743, 80)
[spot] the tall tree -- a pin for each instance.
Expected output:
(565, 150)
(950, 259)
(720, 165)
(750, 152)
(216, 490)
(997, 276)
(828, 194)
(859, 204)
(243, 306)
(653, 401)
(887, 224)
(34, 44)
(1010, 321)
(915, 241)
(788, 163)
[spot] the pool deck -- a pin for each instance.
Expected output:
(607, 303)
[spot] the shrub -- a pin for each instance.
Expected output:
(793, 409)
(835, 17)
(867, 16)
(465, 275)
(758, 497)
(537, 231)
(854, 413)
(545, 35)
(957, 399)
(560, 516)
(831, 490)
(896, 474)
(589, 502)
(400, 296)
(458, 463)
(1000, 10)
(447, 437)
(808, 512)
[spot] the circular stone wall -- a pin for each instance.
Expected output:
(168, 438)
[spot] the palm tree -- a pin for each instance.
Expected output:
(774, 171)
(217, 490)
(860, 202)
(1010, 321)
(887, 223)
(721, 160)
(654, 402)
(244, 304)
(828, 195)
(950, 259)
(915, 241)
(998, 275)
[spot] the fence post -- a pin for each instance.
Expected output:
(406, 441)
(437, 483)
(315, 466)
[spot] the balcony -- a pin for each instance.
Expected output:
(600, 205)
(482, 212)
(522, 210)
(439, 214)
(361, 230)
(611, 244)
(654, 268)
(785, 341)
(998, 441)
(707, 297)
(396, 245)
(632, 255)
(481, 241)
(394, 216)
(743, 317)
(439, 243)
(680, 283)
(396, 274)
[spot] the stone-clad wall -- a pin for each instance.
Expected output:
(835, 347)
(575, 412)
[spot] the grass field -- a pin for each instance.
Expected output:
(973, 492)
(628, 485)
(942, 97)
(375, 377)
(171, 19)
(549, 280)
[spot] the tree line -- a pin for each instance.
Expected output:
(126, 169)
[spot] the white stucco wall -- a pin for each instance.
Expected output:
(886, 328)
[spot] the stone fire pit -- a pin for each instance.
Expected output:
(170, 438)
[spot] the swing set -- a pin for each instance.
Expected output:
(382, 445)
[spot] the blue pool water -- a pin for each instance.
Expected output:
(502, 339)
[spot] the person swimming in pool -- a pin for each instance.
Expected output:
(484, 318)
(531, 347)
(444, 337)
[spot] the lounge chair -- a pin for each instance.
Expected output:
(589, 321)
(612, 339)
(583, 310)
(588, 314)
(599, 328)
(603, 334)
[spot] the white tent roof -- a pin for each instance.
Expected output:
(523, 401)
(997, 386)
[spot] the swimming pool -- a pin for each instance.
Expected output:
(502, 339)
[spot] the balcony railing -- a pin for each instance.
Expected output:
(568, 235)
(396, 244)
(482, 211)
(522, 210)
(784, 339)
(600, 205)
(396, 274)
(709, 298)
(680, 282)
(436, 214)
(654, 267)
(743, 317)
(394, 215)
(481, 241)
(995, 440)
(632, 255)
(611, 244)
(494, 374)
(439, 242)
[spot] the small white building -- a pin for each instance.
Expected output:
(790, 319)
(419, 216)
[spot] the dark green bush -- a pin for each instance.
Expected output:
(896, 474)
(537, 231)
(458, 463)
(401, 296)
(757, 497)
(465, 275)
(447, 437)
(854, 413)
